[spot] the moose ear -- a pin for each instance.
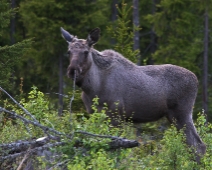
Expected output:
(65, 34)
(93, 36)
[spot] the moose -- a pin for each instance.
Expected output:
(144, 93)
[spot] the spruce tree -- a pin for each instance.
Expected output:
(178, 30)
(10, 55)
(123, 32)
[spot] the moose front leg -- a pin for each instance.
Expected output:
(87, 102)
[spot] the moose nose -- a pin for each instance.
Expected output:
(73, 72)
(70, 72)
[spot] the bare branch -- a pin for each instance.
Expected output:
(74, 89)
(59, 94)
(72, 98)
(35, 150)
(116, 142)
(59, 164)
(123, 143)
(26, 111)
(44, 128)
(26, 156)
(24, 145)
(99, 136)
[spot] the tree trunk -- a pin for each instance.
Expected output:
(152, 37)
(136, 38)
(114, 10)
(205, 64)
(60, 110)
(12, 41)
(12, 25)
(114, 15)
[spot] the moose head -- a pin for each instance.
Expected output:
(79, 53)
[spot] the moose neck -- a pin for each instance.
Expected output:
(91, 80)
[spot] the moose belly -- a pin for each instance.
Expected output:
(138, 111)
(144, 109)
(145, 113)
(132, 105)
(142, 117)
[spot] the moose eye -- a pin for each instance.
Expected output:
(86, 53)
(69, 52)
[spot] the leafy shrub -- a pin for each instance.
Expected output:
(85, 151)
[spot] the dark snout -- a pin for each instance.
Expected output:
(73, 72)
(72, 69)
(69, 73)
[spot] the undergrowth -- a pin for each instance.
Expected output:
(86, 152)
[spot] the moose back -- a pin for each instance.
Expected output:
(143, 93)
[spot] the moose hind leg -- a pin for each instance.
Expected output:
(192, 138)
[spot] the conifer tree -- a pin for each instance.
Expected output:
(178, 30)
(123, 32)
(10, 55)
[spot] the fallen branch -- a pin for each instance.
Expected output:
(95, 135)
(20, 146)
(26, 156)
(117, 142)
(59, 164)
(34, 150)
(44, 128)
(123, 143)
(26, 111)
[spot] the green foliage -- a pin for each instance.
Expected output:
(179, 39)
(8, 127)
(92, 152)
(169, 153)
(204, 128)
(10, 55)
(37, 104)
(77, 104)
(123, 33)
(174, 153)
(40, 107)
(5, 15)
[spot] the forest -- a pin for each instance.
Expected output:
(43, 122)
